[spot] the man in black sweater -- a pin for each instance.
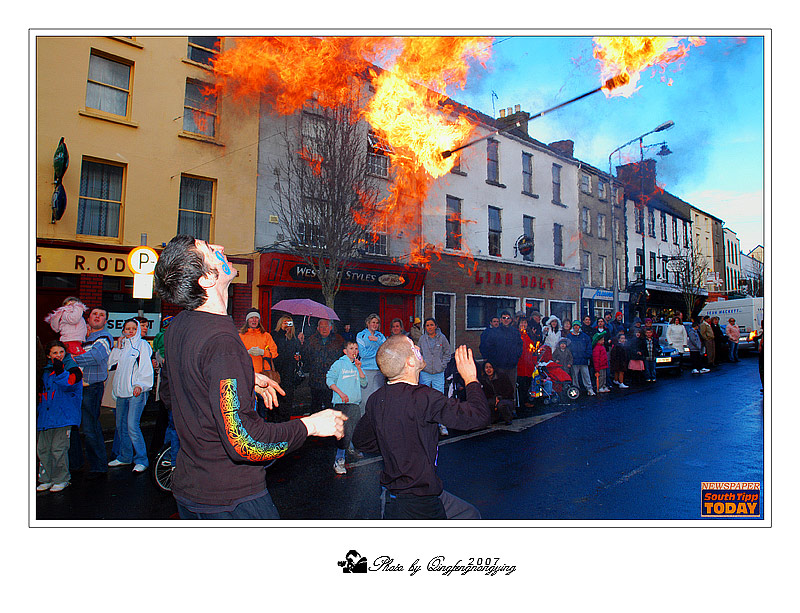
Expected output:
(209, 382)
(401, 423)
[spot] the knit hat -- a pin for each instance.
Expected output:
(648, 320)
(597, 337)
(576, 323)
(562, 340)
(617, 313)
(252, 313)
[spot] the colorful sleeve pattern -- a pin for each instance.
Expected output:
(239, 438)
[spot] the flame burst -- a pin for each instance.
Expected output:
(629, 55)
(408, 109)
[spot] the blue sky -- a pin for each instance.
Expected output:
(716, 101)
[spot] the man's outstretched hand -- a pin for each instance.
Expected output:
(466, 365)
(268, 390)
(325, 423)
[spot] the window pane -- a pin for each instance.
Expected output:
(199, 113)
(100, 199)
(494, 219)
(109, 72)
(481, 309)
(194, 224)
(210, 46)
(453, 224)
(106, 99)
(196, 194)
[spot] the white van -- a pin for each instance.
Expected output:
(748, 313)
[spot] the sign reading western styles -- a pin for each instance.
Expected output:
(497, 278)
(353, 276)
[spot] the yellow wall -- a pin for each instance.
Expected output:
(149, 142)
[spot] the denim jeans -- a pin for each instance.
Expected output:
(171, 437)
(131, 441)
(92, 432)
(435, 381)
(650, 369)
(734, 353)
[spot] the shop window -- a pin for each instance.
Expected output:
(199, 109)
(562, 309)
(108, 86)
(100, 199)
(195, 208)
(482, 308)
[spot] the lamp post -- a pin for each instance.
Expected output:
(615, 282)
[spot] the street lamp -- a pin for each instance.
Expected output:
(664, 151)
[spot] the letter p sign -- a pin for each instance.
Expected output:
(142, 263)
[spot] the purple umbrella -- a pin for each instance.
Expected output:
(309, 308)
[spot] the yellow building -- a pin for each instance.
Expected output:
(151, 154)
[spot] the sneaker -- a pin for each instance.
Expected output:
(139, 468)
(590, 392)
(702, 370)
(114, 463)
(695, 371)
(43, 487)
(338, 467)
(59, 486)
(604, 390)
(443, 430)
(355, 455)
(623, 386)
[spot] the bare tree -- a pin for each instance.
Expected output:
(326, 199)
(690, 267)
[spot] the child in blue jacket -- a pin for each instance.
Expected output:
(346, 379)
(58, 410)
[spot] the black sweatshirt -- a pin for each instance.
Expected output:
(401, 423)
(208, 381)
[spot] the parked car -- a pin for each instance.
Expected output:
(670, 358)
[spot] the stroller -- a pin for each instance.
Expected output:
(552, 383)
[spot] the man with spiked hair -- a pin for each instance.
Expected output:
(401, 423)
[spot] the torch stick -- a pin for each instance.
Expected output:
(620, 79)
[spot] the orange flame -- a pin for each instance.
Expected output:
(408, 107)
(629, 55)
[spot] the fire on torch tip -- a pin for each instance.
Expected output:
(446, 154)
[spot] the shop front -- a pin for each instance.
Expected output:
(99, 276)
(662, 301)
(597, 302)
(462, 294)
(390, 290)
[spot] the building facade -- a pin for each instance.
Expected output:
(707, 231)
(151, 154)
(506, 221)
(733, 269)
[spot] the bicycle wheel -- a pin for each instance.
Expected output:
(163, 469)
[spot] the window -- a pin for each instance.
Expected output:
(664, 272)
(586, 183)
(557, 183)
(377, 242)
(378, 150)
(558, 245)
(492, 161)
(195, 207)
(652, 266)
(586, 221)
(618, 230)
(602, 189)
(685, 234)
(199, 109)
(586, 268)
(619, 274)
(100, 200)
(639, 263)
(482, 308)
(313, 128)
(601, 226)
(527, 173)
(108, 86)
(638, 220)
(651, 222)
(663, 226)
(308, 235)
(675, 230)
(527, 230)
(452, 223)
(495, 231)
(562, 309)
(601, 271)
(203, 49)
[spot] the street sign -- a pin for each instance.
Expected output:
(675, 265)
(142, 262)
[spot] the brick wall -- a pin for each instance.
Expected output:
(90, 289)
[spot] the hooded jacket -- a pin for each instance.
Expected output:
(436, 352)
(134, 365)
(551, 338)
(61, 396)
(676, 336)
(68, 321)
(501, 346)
(581, 347)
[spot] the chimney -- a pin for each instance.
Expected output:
(564, 147)
(507, 118)
(631, 178)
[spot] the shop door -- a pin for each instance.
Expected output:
(395, 306)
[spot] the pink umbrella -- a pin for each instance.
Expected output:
(309, 308)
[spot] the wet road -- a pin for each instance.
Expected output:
(636, 454)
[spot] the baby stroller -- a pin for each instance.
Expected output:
(552, 383)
